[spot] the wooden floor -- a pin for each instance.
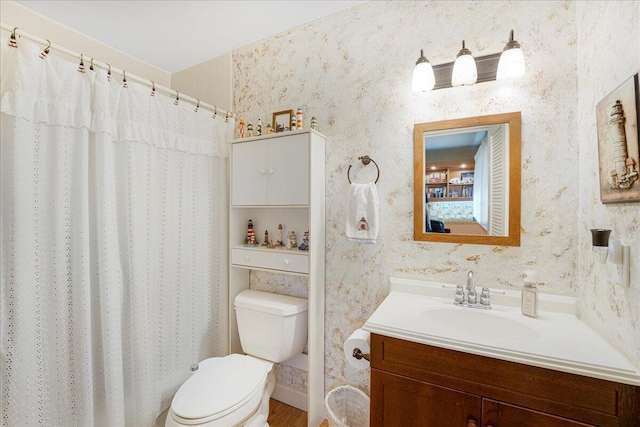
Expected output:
(283, 415)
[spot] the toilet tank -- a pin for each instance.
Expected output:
(271, 326)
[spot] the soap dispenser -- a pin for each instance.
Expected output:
(530, 295)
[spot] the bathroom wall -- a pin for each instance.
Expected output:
(353, 72)
(209, 81)
(608, 54)
(18, 16)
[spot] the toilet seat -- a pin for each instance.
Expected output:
(222, 386)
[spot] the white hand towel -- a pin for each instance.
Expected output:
(362, 213)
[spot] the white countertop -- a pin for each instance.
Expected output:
(424, 312)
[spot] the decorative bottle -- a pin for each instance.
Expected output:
(530, 295)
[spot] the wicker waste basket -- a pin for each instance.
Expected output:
(347, 406)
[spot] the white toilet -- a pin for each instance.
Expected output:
(235, 390)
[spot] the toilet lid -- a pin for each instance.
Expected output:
(220, 386)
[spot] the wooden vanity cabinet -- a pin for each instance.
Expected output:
(420, 385)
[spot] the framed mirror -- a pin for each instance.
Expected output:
(467, 180)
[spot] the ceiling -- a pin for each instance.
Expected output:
(455, 140)
(174, 35)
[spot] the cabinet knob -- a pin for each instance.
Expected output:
(286, 262)
(262, 171)
(270, 171)
(471, 423)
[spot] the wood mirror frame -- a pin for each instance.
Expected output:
(513, 236)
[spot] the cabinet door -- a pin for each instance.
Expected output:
(288, 170)
(401, 401)
(249, 174)
(498, 414)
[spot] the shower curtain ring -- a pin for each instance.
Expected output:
(153, 88)
(81, 66)
(45, 52)
(124, 79)
(109, 73)
(215, 112)
(91, 65)
(12, 40)
(177, 98)
(226, 119)
(197, 106)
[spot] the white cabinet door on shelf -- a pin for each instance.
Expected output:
(289, 170)
(273, 172)
(249, 174)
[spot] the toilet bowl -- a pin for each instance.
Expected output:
(235, 390)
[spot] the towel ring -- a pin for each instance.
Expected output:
(365, 161)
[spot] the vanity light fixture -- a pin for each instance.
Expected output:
(467, 70)
(423, 78)
(511, 60)
(607, 247)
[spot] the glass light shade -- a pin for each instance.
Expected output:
(465, 72)
(511, 64)
(423, 78)
(600, 253)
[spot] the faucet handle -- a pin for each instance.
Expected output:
(485, 299)
(459, 294)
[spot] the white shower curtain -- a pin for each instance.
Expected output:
(113, 224)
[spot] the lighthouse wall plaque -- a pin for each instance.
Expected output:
(618, 150)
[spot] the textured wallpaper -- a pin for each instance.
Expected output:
(608, 54)
(353, 72)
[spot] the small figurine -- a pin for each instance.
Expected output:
(314, 123)
(299, 118)
(293, 244)
(279, 243)
(266, 239)
(269, 129)
(259, 128)
(251, 235)
(241, 123)
(305, 242)
(249, 130)
(293, 122)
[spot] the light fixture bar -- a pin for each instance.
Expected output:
(487, 69)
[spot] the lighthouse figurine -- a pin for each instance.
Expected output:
(241, 123)
(251, 235)
(279, 243)
(259, 128)
(249, 130)
(299, 118)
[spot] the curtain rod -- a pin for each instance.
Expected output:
(105, 66)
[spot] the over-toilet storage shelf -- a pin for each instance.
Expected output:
(280, 179)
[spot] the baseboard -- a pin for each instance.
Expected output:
(291, 397)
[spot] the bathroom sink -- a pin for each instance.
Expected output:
(423, 312)
(476, 324)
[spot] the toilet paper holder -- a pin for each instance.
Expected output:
(358, 354)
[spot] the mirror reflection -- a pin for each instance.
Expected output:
(464, 185)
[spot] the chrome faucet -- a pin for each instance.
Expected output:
(470, 299)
